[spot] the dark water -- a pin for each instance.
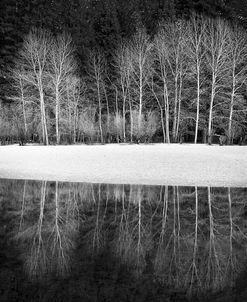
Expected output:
(95, 242)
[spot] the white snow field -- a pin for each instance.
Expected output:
(154, 164)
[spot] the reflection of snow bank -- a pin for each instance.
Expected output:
(173, 164)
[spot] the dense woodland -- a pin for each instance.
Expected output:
(123, 71)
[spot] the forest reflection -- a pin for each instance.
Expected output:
(192, 239)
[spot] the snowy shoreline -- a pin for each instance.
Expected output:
(154, 164)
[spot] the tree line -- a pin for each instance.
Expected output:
(185, 82)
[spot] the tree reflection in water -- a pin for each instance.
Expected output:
(47, 228)
(192, 240)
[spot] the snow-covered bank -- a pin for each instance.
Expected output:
(174, 164)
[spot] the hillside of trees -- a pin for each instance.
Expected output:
(129, 71)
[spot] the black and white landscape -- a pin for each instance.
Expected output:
(123, 150)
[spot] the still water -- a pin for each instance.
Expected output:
(97, 242)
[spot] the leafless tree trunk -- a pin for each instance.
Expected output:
(33, 57)
(181, 76)
(237, 56)
(216, 43)
(161, 109)
(162, 57)
(139, 53)
(175, 34)
(107, 109)
(124, 68)
(62, 66)
(97, 67)
(131, 118)
(20, 98)
(195, 52)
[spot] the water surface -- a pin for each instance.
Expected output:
(100, 242)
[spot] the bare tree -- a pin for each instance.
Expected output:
(124, 69)
(21, 95)
(34, 58)
(140, 48)
(237, 56)
(97, 69)
(161, 90)
(216, 43)
(62, 65)
(195, 51)
(174, 35)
